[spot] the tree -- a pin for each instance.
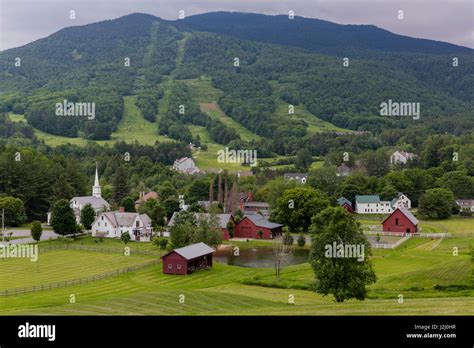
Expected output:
(87, 216)
(344, 275)
(231, 229)
(274, 189)
(155, 211)
(288, 238)
(239, 215)
(459, 183)
(280, 254)
(125, 237)
(437, 203)
(376, 163)
(63, 219)
(128, 204)
(162, 243)
(324, 179)
(14, 211)
(120, 185)
(297, 206)
(303, 159)
(388, 192)
(36, 230)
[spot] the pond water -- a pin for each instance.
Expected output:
(260, 257)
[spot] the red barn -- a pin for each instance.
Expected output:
(249, 226)
(346, 204)
(401, 220)
(188, 259)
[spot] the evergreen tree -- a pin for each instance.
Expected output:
(120, 185)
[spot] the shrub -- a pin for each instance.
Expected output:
(288, 239)
(301, 240)
(162, 243)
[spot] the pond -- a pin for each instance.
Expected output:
(260, 257)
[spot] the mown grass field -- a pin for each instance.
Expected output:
(411, 270)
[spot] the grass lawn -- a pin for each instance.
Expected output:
(411, 270)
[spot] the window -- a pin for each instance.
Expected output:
(170, 266)
(98, 224)
(178, 266)
(106, 224)
(102, 218)
(137, 224)
(396, 221)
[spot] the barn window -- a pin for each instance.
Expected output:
(178, 266)
(170, 266)
(396, 221)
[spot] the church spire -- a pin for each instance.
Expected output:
(96, 192)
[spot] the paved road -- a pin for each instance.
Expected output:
(19, 233)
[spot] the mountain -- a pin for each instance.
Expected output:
(194, 78)
(315, 34)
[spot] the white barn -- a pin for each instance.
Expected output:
(185, 165)
(401, 157)
(371, 204)
(401, 201)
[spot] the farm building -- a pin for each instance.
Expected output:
(466, 204)
(371, 204)
(224, 220)
(401, 220)
(249, 226)
(346, 204)
(188, 259)
(401, 201)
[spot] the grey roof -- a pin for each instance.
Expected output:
(368, 199)
(465, 202)
(195, 250)
(343, 200)
(126, 219)
(262, 221)
(409, 215)
(96, 202)
(223, 218)
(257, 204)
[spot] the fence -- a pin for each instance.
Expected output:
(394, 234)
(393, 245)
(79, 281)
(432, 235)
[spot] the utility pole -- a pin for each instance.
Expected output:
(3, 224)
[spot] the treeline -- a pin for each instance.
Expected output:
(147, 102)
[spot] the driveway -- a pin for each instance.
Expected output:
(20, 233)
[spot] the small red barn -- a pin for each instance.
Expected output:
(249, 226)
(346, 204)
(188, 259)
(401, 220)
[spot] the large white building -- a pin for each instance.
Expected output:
(185, 165)
(401, 157)
(371, 204)
(96, 201)
(401, 201)
(112, 224)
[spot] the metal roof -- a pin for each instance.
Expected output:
(95, 202)
(195, 250)
(368, 199)
(262, 221)
(409, 215)
(342, 200)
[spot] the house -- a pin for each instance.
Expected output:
(143, 197)
(252, 208)
(346, 204)
(224, 220)
(113, 223)
(301, 177)
(188, 259)
(401, 157)
(401, 220)
(96, 201)
(371, 204)
(466, 204)
(343, 170)
(249, 226)
(186, 165)
(401, 201)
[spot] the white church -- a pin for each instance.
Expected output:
(96, 201)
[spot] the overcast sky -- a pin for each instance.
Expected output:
(23, 21)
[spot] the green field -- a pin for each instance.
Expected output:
(411, 270)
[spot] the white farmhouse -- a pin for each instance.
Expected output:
(466, 204)
(401, 157)
(185, 165)
(371, 204)
(401, 201)
(113, 223)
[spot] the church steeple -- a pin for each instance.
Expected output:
(96, 192)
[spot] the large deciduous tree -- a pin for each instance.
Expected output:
(62, 218)
(343, 275)
(87, 216)
(437, 203)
